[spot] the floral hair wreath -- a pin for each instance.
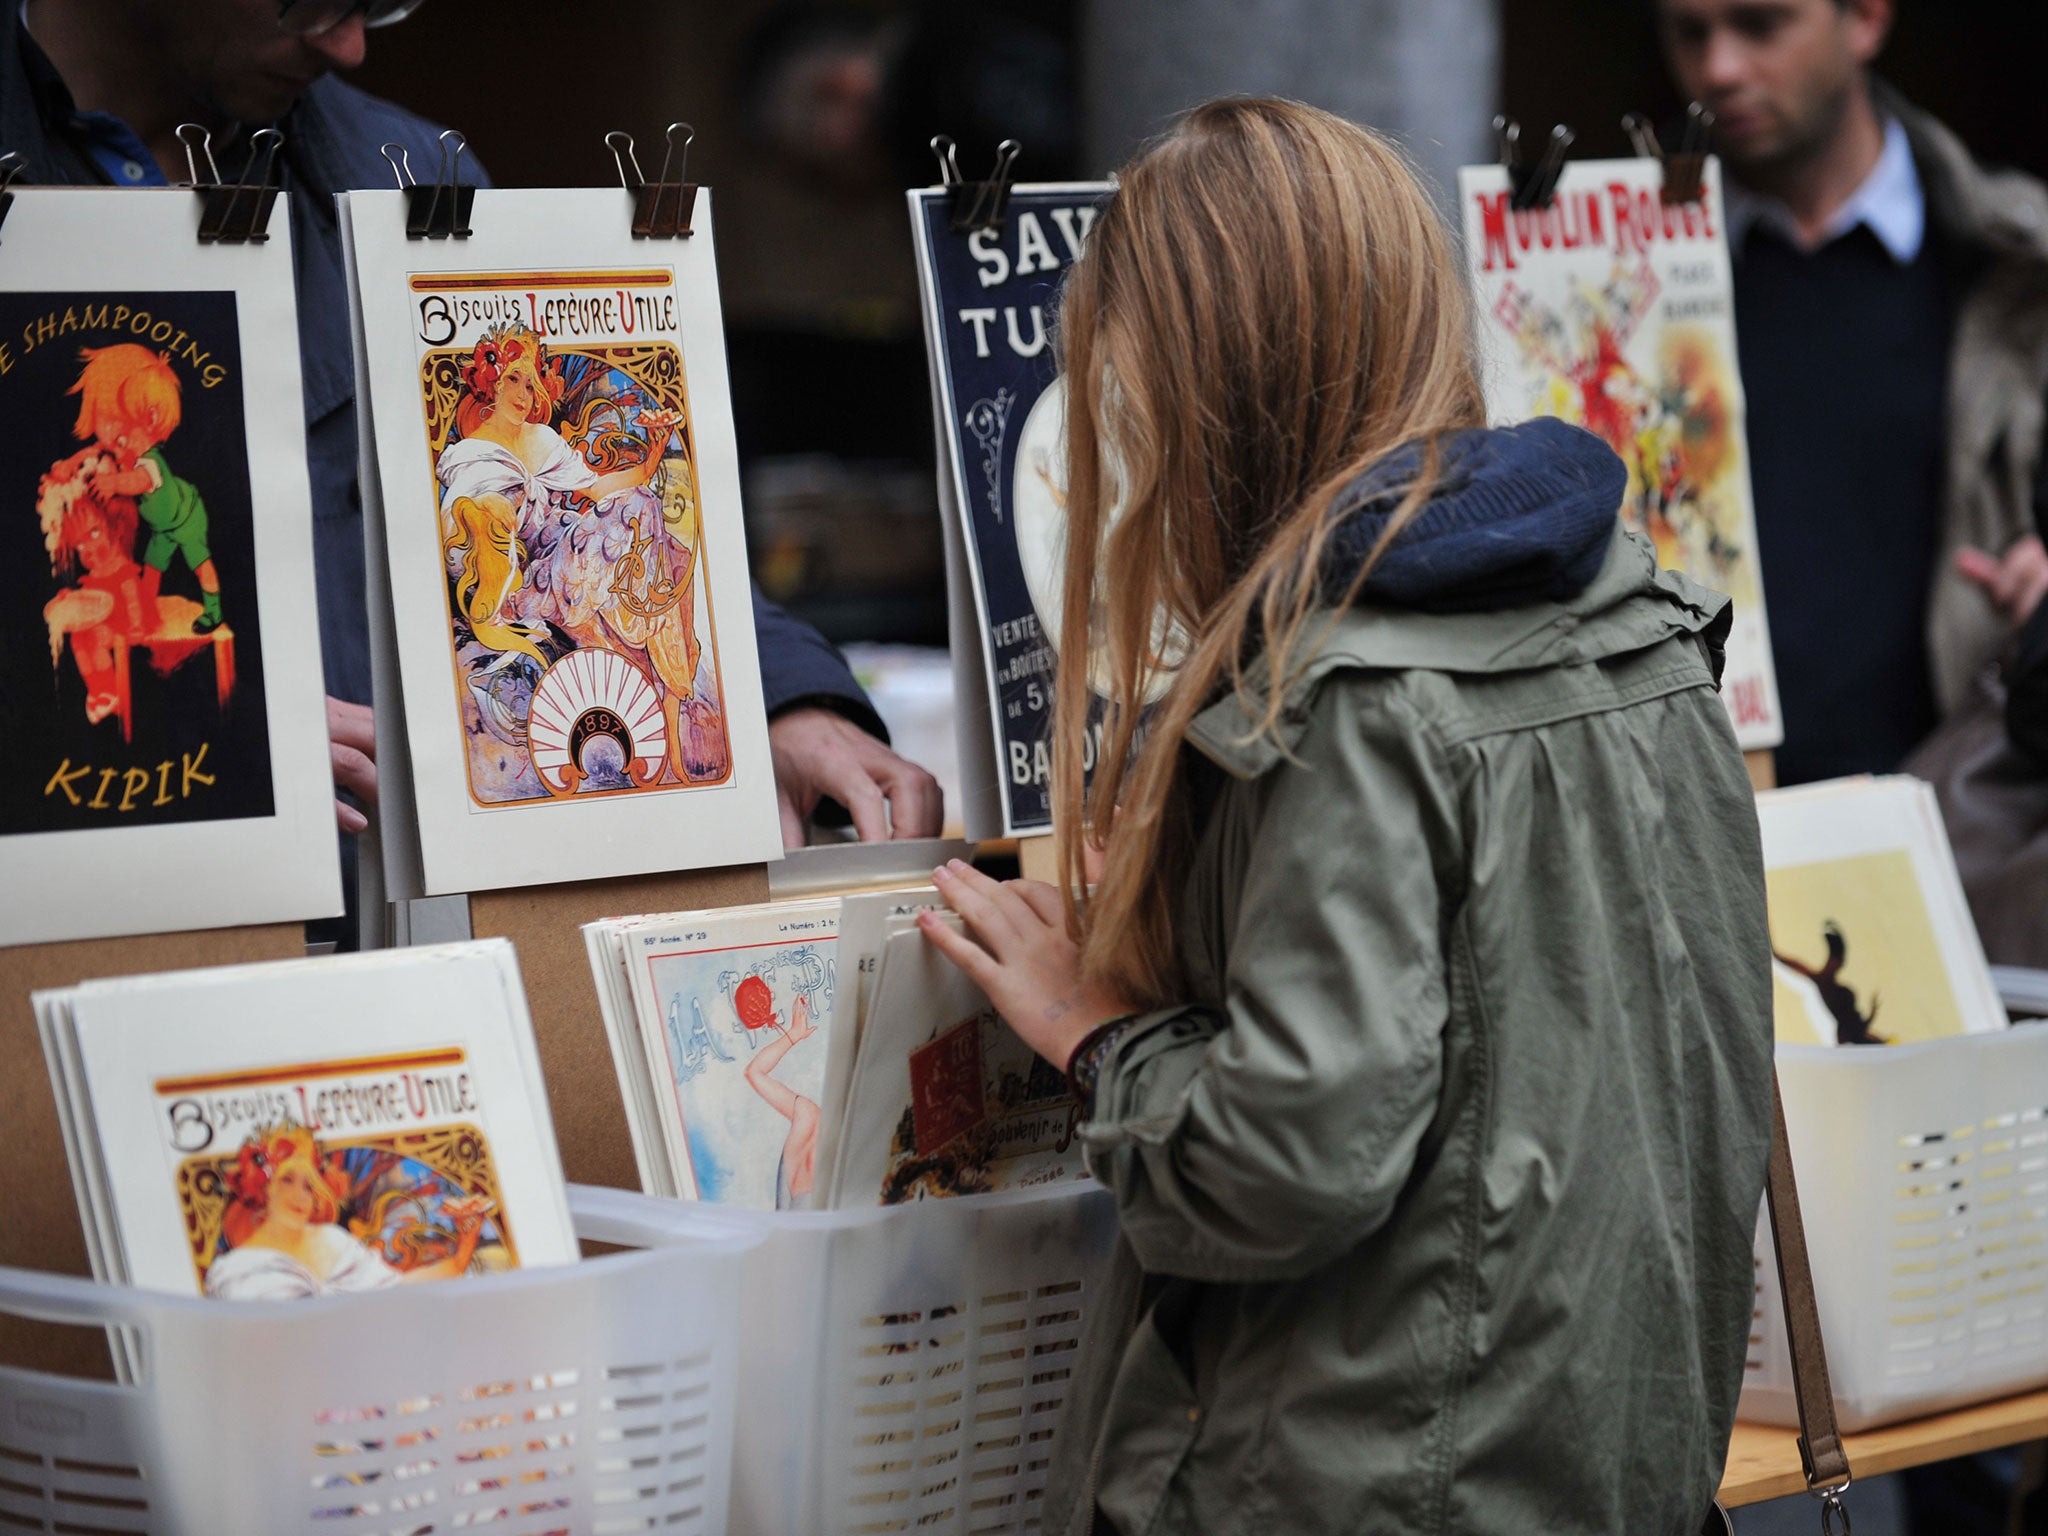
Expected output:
(265, 1152)
(501, 347)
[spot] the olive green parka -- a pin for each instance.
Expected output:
(1437, 1199)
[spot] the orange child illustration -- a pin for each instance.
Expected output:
(128, 407)
(111, 602)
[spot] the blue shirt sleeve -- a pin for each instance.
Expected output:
(800, 667)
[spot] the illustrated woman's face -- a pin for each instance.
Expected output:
(291, 1193)
(518, 391)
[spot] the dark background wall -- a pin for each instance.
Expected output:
(1977, 64)
(830, 399)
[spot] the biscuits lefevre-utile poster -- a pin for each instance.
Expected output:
(160, 688)
(559, 495)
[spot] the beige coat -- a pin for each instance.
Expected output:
(1996, 225)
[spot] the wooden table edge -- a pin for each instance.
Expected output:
(1763, 1460)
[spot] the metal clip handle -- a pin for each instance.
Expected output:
(12, 167)
(977, 205)
(439, 211)
(1685, 168)
(662, 208)
(1533, 186)
(236, 212)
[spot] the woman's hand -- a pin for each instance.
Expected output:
(1020, 955)
(659, 426)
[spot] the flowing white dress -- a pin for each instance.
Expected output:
(265, 1274)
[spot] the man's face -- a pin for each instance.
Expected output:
(1778, 75)
(232, 59)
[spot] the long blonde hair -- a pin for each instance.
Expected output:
(1268, 306)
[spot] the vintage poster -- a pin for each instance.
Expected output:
(1871, 939)
(159, 657)
(300, 1129)
(321, 1177)
(989, 306)
(946, 1099)
(1614, 310)
(735, 1014)
(561, 479)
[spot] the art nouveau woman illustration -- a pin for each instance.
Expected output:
(797, 1168)
(550, 553)
(287, 1239)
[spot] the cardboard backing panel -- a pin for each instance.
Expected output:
(545, 924)
(41, 1228)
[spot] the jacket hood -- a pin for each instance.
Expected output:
(1519, 515)
(1630, 605)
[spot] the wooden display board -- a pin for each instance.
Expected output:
(545, 924)
(1763, 1461)
(42, 1229)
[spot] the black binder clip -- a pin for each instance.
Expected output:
(977, 205)
(440, 210)
(11, 168)
(661, 208)
(238, 212)
(1685, 168)
(1534, 186)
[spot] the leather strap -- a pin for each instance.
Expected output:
(1820, 1441)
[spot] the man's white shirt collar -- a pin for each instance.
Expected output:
(1890, 201)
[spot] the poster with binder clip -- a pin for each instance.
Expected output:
(990, 258)
(159, 649)
(1605, 296)
(557, 500)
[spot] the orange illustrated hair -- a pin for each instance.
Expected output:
(1269, 304)
(116, 514)
(503, 349)
(129, 384)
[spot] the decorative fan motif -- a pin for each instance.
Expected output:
(592, 694)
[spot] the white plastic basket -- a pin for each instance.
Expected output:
(904, 1368)
(1923, 1180)
(594, 1398)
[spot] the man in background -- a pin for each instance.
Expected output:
(92, 91)
(1891, 300)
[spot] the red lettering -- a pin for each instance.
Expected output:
(1493, 223)
(1624, 202)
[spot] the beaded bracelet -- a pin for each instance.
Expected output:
(1084, 1067)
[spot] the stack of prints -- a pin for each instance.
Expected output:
(820, 1055)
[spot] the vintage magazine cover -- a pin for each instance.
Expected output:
(160, 682)
(735, 1012)
(946, 1099)
(1615, 311)
(1871, 937)
(566, 560)
(989, 302)
(316, 1127)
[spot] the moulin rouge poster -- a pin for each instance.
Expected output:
(1614, 309)
(131, 675)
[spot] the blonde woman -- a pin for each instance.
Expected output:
(1421, 1011)
(505, 475)
(296, 1245)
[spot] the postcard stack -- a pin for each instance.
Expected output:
(567, 684)
(820, 1055)
(1871, 938)
(310, 1127)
